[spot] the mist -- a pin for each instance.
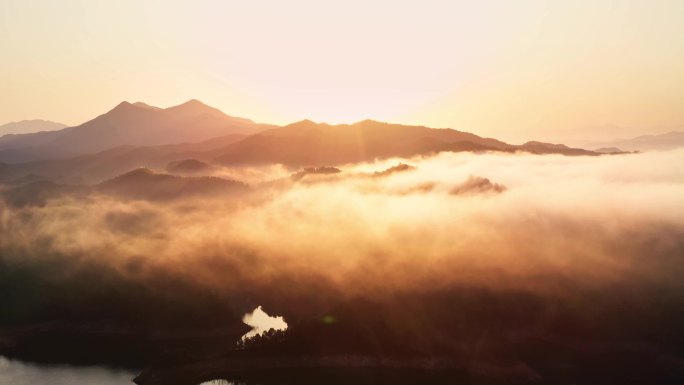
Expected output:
(564, 243)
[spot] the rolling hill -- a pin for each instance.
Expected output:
(145, 184)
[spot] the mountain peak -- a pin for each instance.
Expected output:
(192, 103)
(123, 104)
(195, 106)
(145, 105)
(367, 121)
(126, 108)
(307, 124)
(304, 122)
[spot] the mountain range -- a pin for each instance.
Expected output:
(134, 135)
(661, 142)
(127, 124)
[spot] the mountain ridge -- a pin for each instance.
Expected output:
(93, 151)
(127, 124)
(306, 143)
(665, 141)
(143, 183)
(29, 126)
(655, 142)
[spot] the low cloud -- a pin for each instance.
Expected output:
(585, 231)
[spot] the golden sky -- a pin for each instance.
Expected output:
(515, 70)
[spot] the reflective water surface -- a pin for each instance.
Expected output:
(23, 373)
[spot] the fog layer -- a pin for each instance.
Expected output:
(597, 238)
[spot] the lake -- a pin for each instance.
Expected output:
(22, 373)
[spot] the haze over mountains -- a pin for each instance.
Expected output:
(127, 124)
(417, 260)
(136, 135)
(661, 142)
(30, 126)
(174, 222)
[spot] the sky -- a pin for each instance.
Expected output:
(514, 70)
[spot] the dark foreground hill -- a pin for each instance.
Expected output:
(139, 184)
(144, 183)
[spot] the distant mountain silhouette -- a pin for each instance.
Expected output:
(29, 126)
(549, 148)
(110, 163)
(145, 184)
(307, 143)
(127, 124)
(661, 142)
(136, 135)
(609, 150)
